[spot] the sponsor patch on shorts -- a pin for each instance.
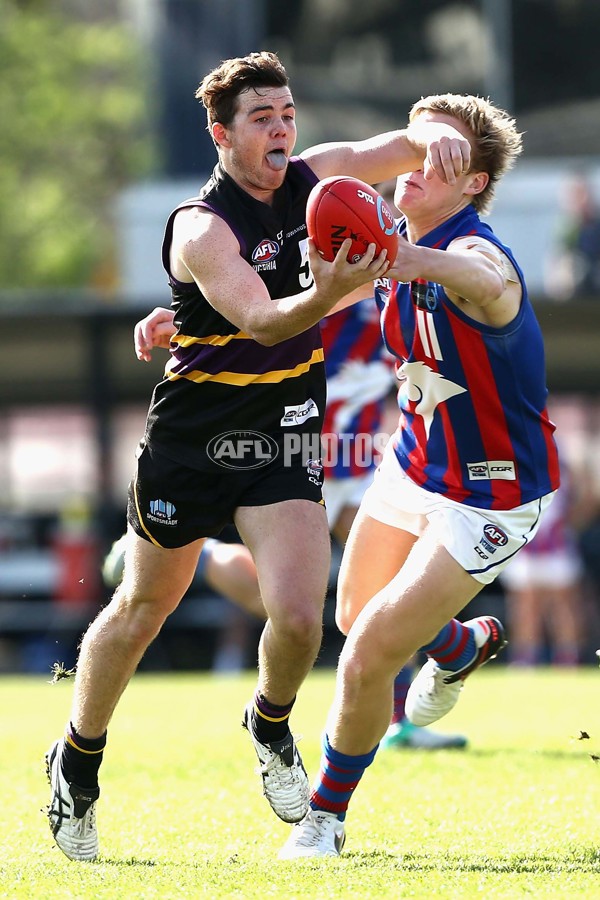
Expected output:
(296, 415)
(314, 470)
(162, 512)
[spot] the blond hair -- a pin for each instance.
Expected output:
(496, 141)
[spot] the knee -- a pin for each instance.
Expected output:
(300, 625)
(347, 608)
(364, 663)
(354, 673)
(343, 617)
(141, 617)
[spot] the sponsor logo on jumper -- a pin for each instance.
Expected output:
(265, 251)
(263, 256)
(382, 289)
(480, 552)
(242, 449)
(162, 512)
(501, 469)
(423, 295)
(296, 415)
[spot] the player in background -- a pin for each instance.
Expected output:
(249, 289)
(465, 479)
(543, 586)
(360, 384)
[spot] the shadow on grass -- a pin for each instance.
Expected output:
(133, 862)
(578, 752)
(127, 862)
(586, 860)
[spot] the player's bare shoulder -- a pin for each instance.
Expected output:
(505, 307)
(199, 237)
(195, 223)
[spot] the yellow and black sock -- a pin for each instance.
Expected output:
(81, 757)
(270, 722)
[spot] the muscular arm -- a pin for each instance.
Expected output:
(209, 252)
(360, 293)
(475, 277)
(435, 147)
(157, 328)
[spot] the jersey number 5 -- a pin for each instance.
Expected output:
(304, 275)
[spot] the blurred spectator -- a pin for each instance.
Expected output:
(543, 592)
(77, 553)
(574, 267)
(589, 545)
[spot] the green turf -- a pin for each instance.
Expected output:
(181, 813)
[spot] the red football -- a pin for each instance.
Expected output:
(343, 207)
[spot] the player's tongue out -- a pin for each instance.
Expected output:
(277, 159)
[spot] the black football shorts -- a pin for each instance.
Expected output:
(172, 505)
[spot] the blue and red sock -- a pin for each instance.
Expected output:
(453, 647)
(338, 779)
(401, 685)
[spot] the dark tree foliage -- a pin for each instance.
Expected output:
(73, 108)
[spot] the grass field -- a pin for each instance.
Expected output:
(182, 816)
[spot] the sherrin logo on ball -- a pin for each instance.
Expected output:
(343, 207)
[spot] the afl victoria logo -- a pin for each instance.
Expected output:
(242, 449)
(495, 535)
(265, 251)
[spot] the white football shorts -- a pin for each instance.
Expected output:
(482, 541)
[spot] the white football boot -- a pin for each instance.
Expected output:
(319, 833)
(72, 811)
(434, 691)
(284, 778)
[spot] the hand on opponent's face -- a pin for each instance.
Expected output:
(448, 157)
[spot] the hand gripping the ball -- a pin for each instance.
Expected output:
(341, 208)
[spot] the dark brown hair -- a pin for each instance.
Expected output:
(220, 89)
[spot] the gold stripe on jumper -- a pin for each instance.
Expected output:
(215, 340)
(241, 379)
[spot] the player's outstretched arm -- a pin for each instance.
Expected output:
(210, 253)
(435, 147)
